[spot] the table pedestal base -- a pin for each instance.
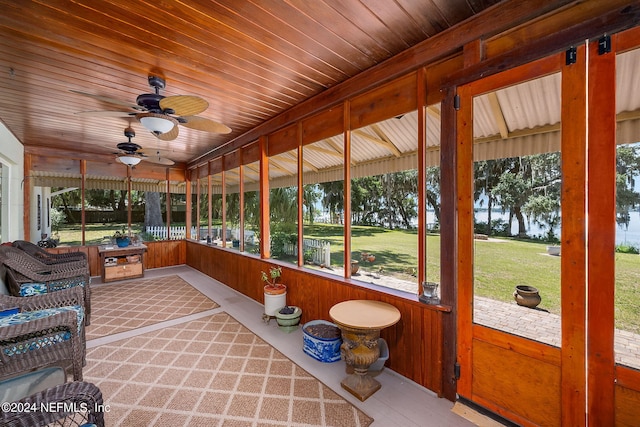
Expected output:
(361, 385)
(359, 349)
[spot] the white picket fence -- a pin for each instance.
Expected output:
(180, 232)
(320, 250)
(175, 233)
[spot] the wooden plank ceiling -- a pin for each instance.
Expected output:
(251, 60)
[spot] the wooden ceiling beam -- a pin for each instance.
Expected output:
(386, 141)
(498, 115)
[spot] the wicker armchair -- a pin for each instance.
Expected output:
(22, 258)
(46, 257)
(23, 279)
(70, 399)
(55, 336)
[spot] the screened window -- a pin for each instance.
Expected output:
(283, 205)
(251, 208)
(232, 206)
(384, 203)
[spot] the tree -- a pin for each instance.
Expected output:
(487, 175)
(366, 199)
(333, 199)
(283, 206)
(115, 200)
(66, 200)
(627, 168)
(543, 206)
(530, 185)
(310, 197)
(252, 211)
(400, 197)
(432, 193)
(153, 210)
(512, 191)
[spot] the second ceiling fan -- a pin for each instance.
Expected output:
(129, 152)
(161, 114)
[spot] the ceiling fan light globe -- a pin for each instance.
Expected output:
(157, 123)
(129, 160)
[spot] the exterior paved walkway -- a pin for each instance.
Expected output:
(542, 326)
(535, 324)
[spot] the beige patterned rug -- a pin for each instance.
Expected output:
(123, 306)
(211, 372)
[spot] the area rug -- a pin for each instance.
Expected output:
(123, 306)
(211, 372)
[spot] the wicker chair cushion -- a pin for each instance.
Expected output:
(41, 339)
(9, 311)
(30, 289)
(27, 316)
(33, 382)
(36, 342)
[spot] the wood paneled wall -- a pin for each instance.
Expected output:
(627, 396)
(415, 343)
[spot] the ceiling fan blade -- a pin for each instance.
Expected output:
(168, 136)
(122, 114)
(200, 123)
(109, 100)
(184, 105)
(159, 160)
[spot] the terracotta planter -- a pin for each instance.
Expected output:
(276, 289)
(527, 296)
(355, 266)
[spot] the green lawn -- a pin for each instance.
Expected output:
(498, 266)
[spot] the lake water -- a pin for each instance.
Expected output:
(630, 236)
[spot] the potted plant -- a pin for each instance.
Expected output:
(122, 240)
(272, 286)
(275, 293)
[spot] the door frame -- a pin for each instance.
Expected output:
(559, 372)
(590, 387)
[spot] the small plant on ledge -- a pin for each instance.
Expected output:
(122, 239)
(272, 286)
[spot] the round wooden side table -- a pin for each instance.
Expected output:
(360, 322)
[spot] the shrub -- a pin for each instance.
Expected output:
(499, 227)
(57, 218)
(147, 237)
(627, 249)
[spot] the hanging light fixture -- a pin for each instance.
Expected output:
(129, 160)
(157, 123)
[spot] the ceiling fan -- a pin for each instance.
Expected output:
(129, 152)
(161, 114)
